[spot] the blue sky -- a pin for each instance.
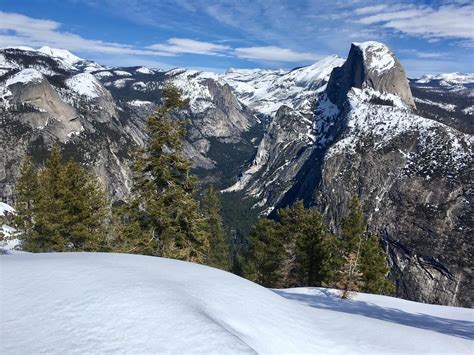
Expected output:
(427, 36)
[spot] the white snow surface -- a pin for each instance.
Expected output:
(85, 84)
(139, 103)
(97, 303)
(122, 73)
(469, 110)
(103, 74)
(64, 55)
(453, 78)
(5, 208)
(25, 76)
(193, 86)
(378, 56)
(266, 90)
(144, 70)
(442, 105)
(387, 122)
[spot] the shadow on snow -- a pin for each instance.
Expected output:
(453, 327)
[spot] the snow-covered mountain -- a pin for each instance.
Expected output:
(447, 79)
(321, 133)
(265, 91)
(103, 303)
(367, 138)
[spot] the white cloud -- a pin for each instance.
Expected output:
(16, 29)
(370, 9)
(185, 45)
(20, 30)
(272, 53)
(450, 21)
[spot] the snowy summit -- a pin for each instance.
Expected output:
(127, 303)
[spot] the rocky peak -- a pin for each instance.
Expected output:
(370, 65)
(62, 54)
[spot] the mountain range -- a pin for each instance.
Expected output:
(266, 138)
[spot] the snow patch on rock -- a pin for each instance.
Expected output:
(65, 56)
(85, 84)
(144, 70)
(25, 76)
(377, 56)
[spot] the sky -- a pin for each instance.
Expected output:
(427, 36)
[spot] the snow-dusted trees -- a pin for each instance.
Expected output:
(60, 207)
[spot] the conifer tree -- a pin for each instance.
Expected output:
(218, 246)
(49, 205)
(266, 253)
(60, 207)
(173, 224)
(312, 250)
(365, 265)
(374, 268)
(84, 210)
(26, 198)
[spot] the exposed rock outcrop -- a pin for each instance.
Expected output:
(369, 65)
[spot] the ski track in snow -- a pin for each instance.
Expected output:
(94, 302)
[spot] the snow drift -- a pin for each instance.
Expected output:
(85, 302)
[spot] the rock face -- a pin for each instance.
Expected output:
(321, 133)
(280, 155)
(412, 173)
(98, 114)
(369, 65)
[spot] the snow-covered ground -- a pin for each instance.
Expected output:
(91, 303)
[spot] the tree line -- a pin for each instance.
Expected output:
(63, 207)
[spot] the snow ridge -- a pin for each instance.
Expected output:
(105, 302)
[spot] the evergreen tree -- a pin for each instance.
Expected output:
(84, 210)
(266, 253)
(174, 225)
(60, 207)
(131, 232)
(218, 247)
(49, 205)
(353, 228)
(374, 268)
(365, 264)
(312, 258)
(26, 199)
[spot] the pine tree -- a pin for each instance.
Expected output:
(218, 248)
(84, 210)
(26, 199)
(374, 268)
(61, 207)
(363, 255)
(48, 214)
(266, 253)
(353, 227)
(174, 225)
(312, 258)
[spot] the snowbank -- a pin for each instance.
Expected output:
(85, 302)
